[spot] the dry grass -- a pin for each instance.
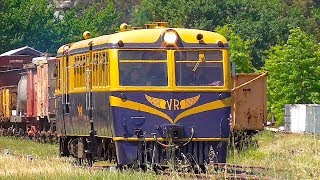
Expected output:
(289, 156)
(47, 165)
(19, 167)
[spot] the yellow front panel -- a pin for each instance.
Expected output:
(105, 66)
(171, 71)
(226, 69)
(114, 71)
(189, 36)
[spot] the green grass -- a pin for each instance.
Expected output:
(289, 156)
(27, 147)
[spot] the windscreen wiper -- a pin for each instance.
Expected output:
(200, 60)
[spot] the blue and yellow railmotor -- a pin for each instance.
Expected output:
(145, 96)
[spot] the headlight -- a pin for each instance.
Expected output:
(170, 37)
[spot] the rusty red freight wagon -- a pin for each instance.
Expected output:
(38, 81)
(31, 100)
(36, 96)
(249, 97)
(45, 86)
(10, 67)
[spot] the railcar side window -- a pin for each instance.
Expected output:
(95, 65)
(79, 71)
(199, 68)
(100, 69)
(143, 68)
(103, 62)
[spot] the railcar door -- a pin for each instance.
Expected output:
(63, 100)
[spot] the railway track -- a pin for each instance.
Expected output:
(215, 171)
(213, 176)
(226, 171)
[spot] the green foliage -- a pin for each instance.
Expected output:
(33, 23)
(293, 73)
(262, 25)
(25, 23)
(98, 18)
(240, 50)
(160, 10)
(181, 13)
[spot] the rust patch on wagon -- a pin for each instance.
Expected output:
(249, 110)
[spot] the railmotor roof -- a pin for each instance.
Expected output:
(147, 38)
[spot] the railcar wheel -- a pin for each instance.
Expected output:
(73, 147)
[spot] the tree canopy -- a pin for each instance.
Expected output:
(240, 50)
(294, 71)
(37, 23)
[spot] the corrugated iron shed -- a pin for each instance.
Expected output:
(12, 62)
(27, 51)
(302, 118)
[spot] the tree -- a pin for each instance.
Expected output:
(127, 8)
(260, 22)
(240, 50)
(204, 14)
(26, 23)
(35, 23)
(294, 71)
(98, 18)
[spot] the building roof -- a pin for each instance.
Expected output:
(23, 51)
